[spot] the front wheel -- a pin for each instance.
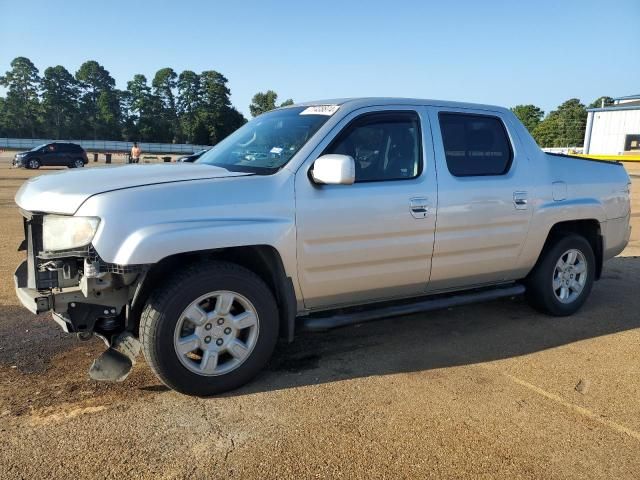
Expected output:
(210, 329)
(33, 164)
(562, 280)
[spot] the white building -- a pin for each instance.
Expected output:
(614, 130)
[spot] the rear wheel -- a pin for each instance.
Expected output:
(33, 164)
(562, 280)
(77, 163)
(210, 330)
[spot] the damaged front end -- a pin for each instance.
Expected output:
(85, 295)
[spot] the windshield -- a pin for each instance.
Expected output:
(267, 143)
(35, 149)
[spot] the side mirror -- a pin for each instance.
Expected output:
(334, 169)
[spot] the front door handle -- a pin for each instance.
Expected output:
(419, 207)
(520, 200)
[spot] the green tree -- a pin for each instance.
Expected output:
(187, 107)
(108, 115)
(94, 80)
(22, 104)
(263, 102)
(572, 121)
(189, 102)
(216, 111)
(546, 132)
(147, 111)
(60, 103)
(3, 115)
(164, 85)
(529, 115)
(200, 132)
(266, 101)
(601, 101)
(215, 92)
(128, 117)
(563, 127)
(229, 121)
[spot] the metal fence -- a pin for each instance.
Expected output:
(103, 145)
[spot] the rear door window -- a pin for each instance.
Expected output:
(475, 145)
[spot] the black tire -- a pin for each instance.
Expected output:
(540, 287)
(76, 163)
(164, 307)
(33, 164)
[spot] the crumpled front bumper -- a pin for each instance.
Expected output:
(114, 364)
(70, 307)
(60, 285)
(31, 299)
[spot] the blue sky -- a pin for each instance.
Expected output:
(499, 52)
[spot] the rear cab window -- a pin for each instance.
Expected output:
(475, 144)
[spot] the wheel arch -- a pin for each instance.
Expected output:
(589, 229)
(263, 260)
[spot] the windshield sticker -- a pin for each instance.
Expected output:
(320, 110)
(277, 150)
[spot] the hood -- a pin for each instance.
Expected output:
(64, 192)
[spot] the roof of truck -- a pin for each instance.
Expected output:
(370, 101)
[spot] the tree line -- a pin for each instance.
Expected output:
(562, 127)
(188, 107)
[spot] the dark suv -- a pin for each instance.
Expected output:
(56, 154)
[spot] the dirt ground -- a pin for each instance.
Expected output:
(485, 391)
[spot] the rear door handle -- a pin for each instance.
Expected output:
(419, 207)
(520, 200)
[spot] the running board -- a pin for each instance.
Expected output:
(317, 324)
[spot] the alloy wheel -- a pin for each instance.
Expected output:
(569, 276)
(216, 333)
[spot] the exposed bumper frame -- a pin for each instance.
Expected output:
(30, 298)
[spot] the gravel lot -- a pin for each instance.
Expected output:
(486, 391)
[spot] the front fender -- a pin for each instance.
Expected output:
(152, 243)
(145, 224)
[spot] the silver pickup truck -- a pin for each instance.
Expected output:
(313, 216)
